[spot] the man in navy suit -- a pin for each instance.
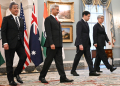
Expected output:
(83, 44)
(100, 37)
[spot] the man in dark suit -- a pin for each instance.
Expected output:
(12, 31)
(83, 44)
(99, 37)
(54, 46)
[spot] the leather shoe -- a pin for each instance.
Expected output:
(43, 80)
(65, 80)
(94, 74)
(19, 79)
(99, 71)
(112, 69)
(12, 83)
(74, 73)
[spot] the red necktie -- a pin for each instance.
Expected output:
(57, 19)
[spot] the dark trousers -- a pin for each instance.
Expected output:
(101, 55)
(57, 56)
(97, 63)
(77, 58)
(9, 55)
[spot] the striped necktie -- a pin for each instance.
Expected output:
(17, 22)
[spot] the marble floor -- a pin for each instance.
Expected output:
(105, 79)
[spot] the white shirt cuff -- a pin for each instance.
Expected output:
(95, 44)
(5, 43)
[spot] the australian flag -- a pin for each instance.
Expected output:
(34, 42)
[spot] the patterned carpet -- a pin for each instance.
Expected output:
(106, 79)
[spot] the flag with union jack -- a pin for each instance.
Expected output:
(34, 42)
(27, 49)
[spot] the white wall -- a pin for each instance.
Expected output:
(116, 16)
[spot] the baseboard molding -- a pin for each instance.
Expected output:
(31, 68)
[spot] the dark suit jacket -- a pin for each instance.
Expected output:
(82, 31)
(99, 35)
(9, 31)
(53, 32)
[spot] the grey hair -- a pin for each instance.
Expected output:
(11, 4)
(99, 16)
(53, 7)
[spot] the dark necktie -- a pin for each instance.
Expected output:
(17, 22)
(86, 23)
(18, 28)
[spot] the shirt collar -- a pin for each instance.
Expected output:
(84, 20)
(53, 15)
(14, 16)
(100, 24)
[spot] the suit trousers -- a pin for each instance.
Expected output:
(57, 56)
(101, 55)
(9, 55)
(97, 63)
(78, 55)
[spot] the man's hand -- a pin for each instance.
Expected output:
(52, 47)
(109, 43)
(6, 46)
(95, 45)
(81, 47)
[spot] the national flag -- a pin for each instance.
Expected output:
(34, 42)
(27, 49)
(1, 56)
(43, 38)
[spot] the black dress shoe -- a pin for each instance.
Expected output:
(99, 71)
(74, 73)
(112, 69)
(12, 83)
(19, 79)
(65, 80)
(43, 80)
(94, 74)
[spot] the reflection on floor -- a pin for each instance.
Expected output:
(106, 79)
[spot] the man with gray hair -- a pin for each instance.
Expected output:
(12, 31)
(54, 46)
(100, 37)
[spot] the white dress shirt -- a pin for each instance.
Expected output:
(53, 15)
(15, 19)
(84, 20)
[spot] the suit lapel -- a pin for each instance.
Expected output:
(13, 21)
(87, 27)
(101, 27)
(58, 23)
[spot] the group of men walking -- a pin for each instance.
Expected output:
(13, 41)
